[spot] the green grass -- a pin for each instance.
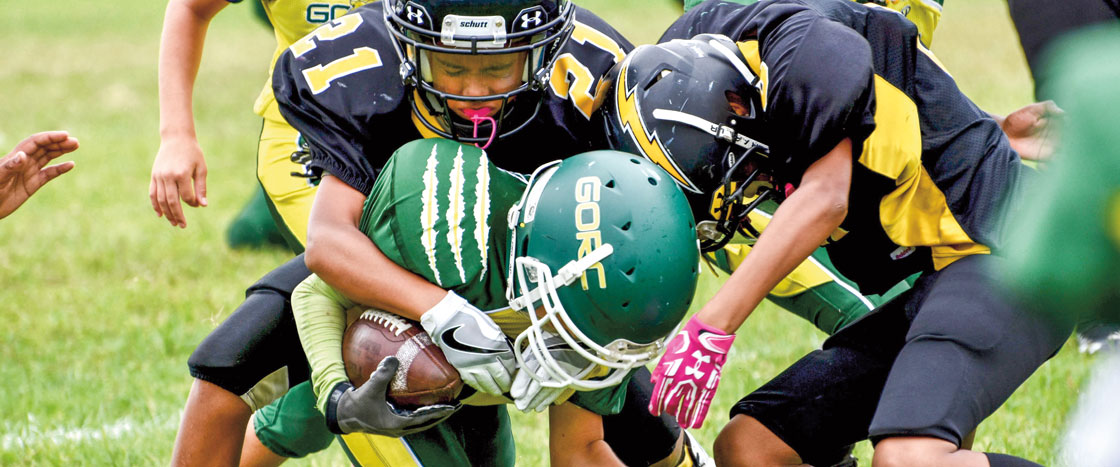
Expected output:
(103, 302)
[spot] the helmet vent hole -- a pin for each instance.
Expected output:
(610, 183)
(656, 78)
(634, 161)
(626, 304)
(652, 181)
(630, 272)
(626, 226)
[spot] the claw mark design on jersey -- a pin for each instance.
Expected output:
(455, 213)
(429, 215)
(482, 210)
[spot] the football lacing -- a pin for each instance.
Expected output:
(395, 323)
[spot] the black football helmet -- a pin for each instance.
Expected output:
(694, 108)
(478, 27)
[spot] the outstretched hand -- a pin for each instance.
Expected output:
(179, 172)
(1032, 130)
(24, 170)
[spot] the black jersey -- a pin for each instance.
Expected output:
(932, 173)
(340, 86)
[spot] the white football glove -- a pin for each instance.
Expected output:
(528, 393)
(472, 343)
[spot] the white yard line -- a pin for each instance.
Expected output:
(32, 434)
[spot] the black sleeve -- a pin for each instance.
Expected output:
(820, 89)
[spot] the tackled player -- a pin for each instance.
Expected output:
(567, 275)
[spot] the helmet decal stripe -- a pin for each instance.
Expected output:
(749, 49)
(456, 206)
(649, 144)
(482, 210)
(429, 214)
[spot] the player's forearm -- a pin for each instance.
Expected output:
(801, 224)
(344, 257)
(350, 262)
(595, 453)
(320, 315)
(184, 31)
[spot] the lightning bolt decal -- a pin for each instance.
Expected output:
(648, 143)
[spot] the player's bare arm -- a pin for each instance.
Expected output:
(334, 229)
(575, 437)
(801, 224)
(179, 171)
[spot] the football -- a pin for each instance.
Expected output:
(424, 376)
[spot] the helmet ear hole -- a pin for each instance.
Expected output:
(652, 181)
(625, 226)
(609, 184)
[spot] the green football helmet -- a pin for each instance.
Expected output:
(603, 254)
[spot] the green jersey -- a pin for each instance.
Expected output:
(437, 209)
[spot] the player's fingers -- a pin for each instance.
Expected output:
(528, 398)
(153, 196)
(171, 206)
(680, 403)
(520, 385)
(482, 381)
(53, 171)
(161, 201)
(40, 143)
(186, 191)
(14, 163)
(502, 378)
(702, 408)
(386, 369)
(426, 417)
(200, 185)
(548, 396)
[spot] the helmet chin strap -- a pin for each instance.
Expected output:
(477, 116)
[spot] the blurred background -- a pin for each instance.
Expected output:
(102, 302)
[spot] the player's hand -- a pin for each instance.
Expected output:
(23, 171)
(366, 410)
(179, 172)
(1032, 130)
(685, 379)
(528, 393)
(472, 343)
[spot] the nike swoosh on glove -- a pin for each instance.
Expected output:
(528, 393)
(472, 343)
(686, 377)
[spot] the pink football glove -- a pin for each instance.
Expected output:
(687, 375)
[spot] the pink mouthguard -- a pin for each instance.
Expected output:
(478, 116)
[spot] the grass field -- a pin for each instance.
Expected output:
(103, 302)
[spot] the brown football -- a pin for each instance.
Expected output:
(424, 376)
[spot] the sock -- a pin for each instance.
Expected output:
(254, 227)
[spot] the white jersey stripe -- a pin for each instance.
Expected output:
(455, 213)
(482, 210)
(429, 215)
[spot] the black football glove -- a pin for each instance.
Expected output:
(366, 410)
